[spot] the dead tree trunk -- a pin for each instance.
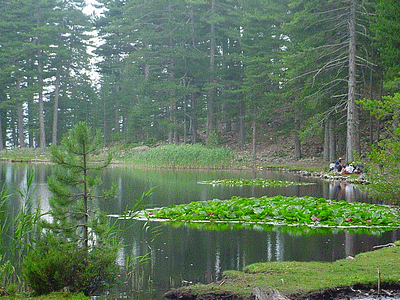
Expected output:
(351, 141)
(332, 140)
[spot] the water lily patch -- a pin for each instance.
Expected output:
(281, 210)
(252, 182)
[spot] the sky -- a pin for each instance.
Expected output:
(90, 9)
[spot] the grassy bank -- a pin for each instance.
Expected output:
(24, 155)
(301, 278)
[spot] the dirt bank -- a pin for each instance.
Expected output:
(358, 291)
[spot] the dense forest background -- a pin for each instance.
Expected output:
(199, 71)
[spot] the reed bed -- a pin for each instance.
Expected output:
(183, 156)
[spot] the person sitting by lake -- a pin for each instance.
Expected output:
(338, 165)
(349, 169)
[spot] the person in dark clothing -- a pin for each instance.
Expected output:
(338, 165)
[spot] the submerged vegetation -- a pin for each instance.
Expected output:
(280, 210)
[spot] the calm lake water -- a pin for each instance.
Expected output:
(180, 255)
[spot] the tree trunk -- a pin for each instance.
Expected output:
(371, 96)
(14, 129)
(241, 130)
(194, 118)
(21, 136)
(332, 140)
(297, 143)
(254, 148)
(193, 101)
(55, 107)
(184, 120)
(85, 200)
(211, 91)
(173, 137)
(351, 142)
(42, 135)
(227, 120)
(325, 155)
(1, 131)
(20, 121)
(117, 113)
(30, 112)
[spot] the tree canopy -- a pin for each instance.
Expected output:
(207, 71)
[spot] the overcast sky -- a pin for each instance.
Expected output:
(89, 9)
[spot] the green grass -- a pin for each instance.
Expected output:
(183, 156)
(23, 155)
(302, 277)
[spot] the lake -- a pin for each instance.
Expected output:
(179, 255)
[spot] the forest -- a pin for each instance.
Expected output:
(201, 71)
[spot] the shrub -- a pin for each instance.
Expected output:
(58, 265)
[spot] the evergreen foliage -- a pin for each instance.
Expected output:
(80, 250)
(387, 26)
(43, 53)
(191, 71)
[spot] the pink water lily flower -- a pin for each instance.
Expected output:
(315, 219)
(369, 221)
(211, 214)
(151, 214)
(348, 219)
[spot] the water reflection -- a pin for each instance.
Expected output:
(180, 254)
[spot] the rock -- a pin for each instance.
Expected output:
(259, 294)
(141, 148)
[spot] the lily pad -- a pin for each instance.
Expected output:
(252, 182)
(308, 212)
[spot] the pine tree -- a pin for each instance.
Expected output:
(387, 27)
(73, 211)
(326, 61)
(80, 248)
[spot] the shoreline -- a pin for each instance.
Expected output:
(349, 277)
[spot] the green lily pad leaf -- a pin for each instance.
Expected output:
(294, 211)
(252, 182)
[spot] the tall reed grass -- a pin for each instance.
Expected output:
(19, 231)
(24, 154)
(184, 156)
